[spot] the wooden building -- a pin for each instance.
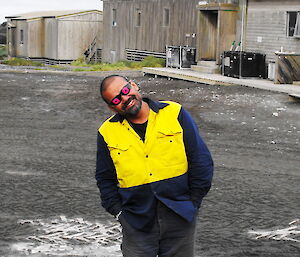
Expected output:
(216, 28)
(54, 36)
(136, 28)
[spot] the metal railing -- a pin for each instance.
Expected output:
(139, 55)
(93, 54)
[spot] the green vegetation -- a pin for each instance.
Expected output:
(149, 61)
(3, 52)
(21, 62)
(80, 65)
(58, 67)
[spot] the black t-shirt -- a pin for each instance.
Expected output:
(140, 129)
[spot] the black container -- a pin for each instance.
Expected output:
(243, 64)
(180, 56)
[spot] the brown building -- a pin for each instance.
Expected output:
(146, 25)
(54, 36)
(135, 28)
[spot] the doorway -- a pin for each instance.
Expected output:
(208, 31)
(216, 30)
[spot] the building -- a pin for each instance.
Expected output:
(134, 27)
(137, 28)
(273, 28)
(55, 36)
(217, 28)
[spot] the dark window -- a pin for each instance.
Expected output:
(114, 17)
(21, 36)
(166, 17)
(138, 17)
(293, 29)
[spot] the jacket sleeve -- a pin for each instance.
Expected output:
(200, 163)
(106, 178)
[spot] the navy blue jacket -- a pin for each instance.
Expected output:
(197, 181)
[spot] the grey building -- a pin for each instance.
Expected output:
(273, 26)
(54, 36)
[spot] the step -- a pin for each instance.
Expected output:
(296, 83)
(294, 98)
(205, 69)
(207, 63)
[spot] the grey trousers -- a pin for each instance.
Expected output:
(171, 236)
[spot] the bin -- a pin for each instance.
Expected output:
(243, 64)
(180, 56)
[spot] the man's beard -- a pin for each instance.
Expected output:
(133, 110)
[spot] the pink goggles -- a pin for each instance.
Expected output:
(124, 91)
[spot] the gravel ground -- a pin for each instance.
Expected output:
(49, 200)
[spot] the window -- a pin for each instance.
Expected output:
(293, 24)
(166, 17)
(114, 17)
(21, 36)
(138, 17)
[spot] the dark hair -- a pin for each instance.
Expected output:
(106, 82)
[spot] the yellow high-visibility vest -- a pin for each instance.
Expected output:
(161, 156)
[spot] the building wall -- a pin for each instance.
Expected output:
(51, 38)
(151, 35)
(36, 36)
(21, 47)
(11, 49)
(266, 29)
(76, 33)
(60, 38)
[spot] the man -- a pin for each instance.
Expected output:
(153, 169)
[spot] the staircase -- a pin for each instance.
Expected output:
(207, 67)
(93, 54)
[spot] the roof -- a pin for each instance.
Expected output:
(45, 14)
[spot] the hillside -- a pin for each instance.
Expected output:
(3, 33)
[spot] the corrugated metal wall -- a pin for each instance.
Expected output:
(266, 30)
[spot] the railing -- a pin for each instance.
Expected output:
(221, 1)
(93, 54)
(139, 55)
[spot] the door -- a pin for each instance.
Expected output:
(208, 35)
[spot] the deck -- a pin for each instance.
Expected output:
(217, 79)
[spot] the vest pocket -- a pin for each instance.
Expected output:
(117, 151)
(171, 147)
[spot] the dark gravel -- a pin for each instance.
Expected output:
(48, 126)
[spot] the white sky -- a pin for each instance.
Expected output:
(12, 7)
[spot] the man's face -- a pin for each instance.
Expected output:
(123, 97)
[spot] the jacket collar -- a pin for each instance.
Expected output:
(154, 106)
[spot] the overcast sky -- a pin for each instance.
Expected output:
(12, 7)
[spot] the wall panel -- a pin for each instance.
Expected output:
(266, 27)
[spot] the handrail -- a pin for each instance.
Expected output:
(91, 52)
